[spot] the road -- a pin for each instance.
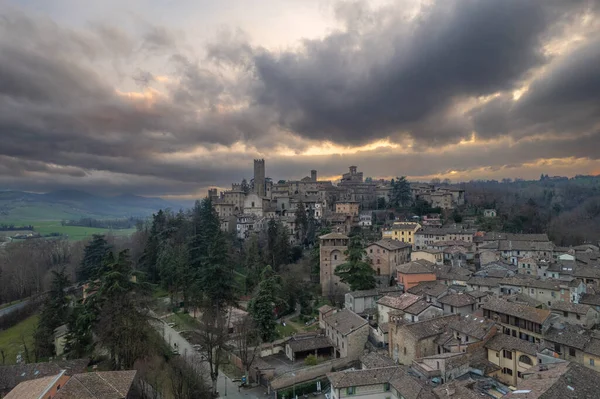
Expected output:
(12, 308)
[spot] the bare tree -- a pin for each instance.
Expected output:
(25, 349)
(185, 381)
(247, 341)
(213, 335)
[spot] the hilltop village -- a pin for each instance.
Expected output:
(455, 310)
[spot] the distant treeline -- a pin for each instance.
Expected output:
(12, 227)
(104, 223)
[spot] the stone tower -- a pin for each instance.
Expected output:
(313, 175)
(259, 177)
(332, 254)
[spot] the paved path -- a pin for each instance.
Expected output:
(12, 308)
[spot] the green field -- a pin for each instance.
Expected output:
(11, 342)
(74, 233)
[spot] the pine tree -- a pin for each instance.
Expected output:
(400, 194)
(263, 304)
(301, 221)
(54, 314)
(149, 260)
(93, 256)
(356, 272)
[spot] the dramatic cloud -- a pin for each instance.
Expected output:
(462, 88)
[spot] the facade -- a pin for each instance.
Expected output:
(432, 255)
(402, 231)
(458, 303)
(365, 219)
(575, 313)
(347, 208)
(512, 355)
(427, 236)
(386, 255)
(520, 321)
(414, 272)
(365, 302)
(348, 332)
(489, 213)
(331, 255)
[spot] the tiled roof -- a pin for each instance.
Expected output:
(478, 293)
(345, 321)
(484, 281)
(33, 389)
(457, 299)
(376, 360)
(418, 307)
(590, 299)
(577, 308)
(420, 266)
(570, 335)
(410, 387)
(98, 385)
(433, 288)
(429, 328)
(512, 245)
(558, 381)
(354, 378)
(399, 302)
(375, 292)
(502, 341)
(524, 299)
(391, 245)
(11, 376)
(331, 236)
(309, 344)
(517, 310)
(477, 327)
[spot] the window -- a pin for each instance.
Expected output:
(525, 359)
(507, 354)
(371, 250)
(592, 362)
(334, 257)
(451, 309)
(578, 317)
(351, 390)
(565, 314)
(571, 351)
(405, 350)
(557, 348)
(386, 386)
(342, 344)
(378, 270)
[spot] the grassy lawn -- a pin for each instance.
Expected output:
(183, 321)
(74, 233)
(286, 331)
(10, 339)
(5, 305)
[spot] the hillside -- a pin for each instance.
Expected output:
(72, 204)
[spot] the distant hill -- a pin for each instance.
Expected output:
(73, 204)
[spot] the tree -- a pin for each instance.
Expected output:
(149, 260)
(301, 221)
(356, 272)
(122, 323)
(262, 305)
(278, 245)
(185, 382)
(400, 194)
(79, 338)
(174, 271)
(93, 257)
(54, 314)
(247, 341)
(381, 203)
(213, 335)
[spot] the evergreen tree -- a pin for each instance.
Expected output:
(400, 194)
(263, 304)
(356, 272)
(79, 339)
(252, 263)
(173, 269)
(93, 256)
(301, 221)
(54, 314)
(122, 323)
(149, 260)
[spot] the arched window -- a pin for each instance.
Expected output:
(525, 359)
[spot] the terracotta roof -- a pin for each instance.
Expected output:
(577, 308)
(410, 387)
(478, 293)
(516, 309)
(391, 245)
(590, 299)
(11, 376)
(34, 389)
(376, 292)
(333, 236)
(429, 328)
(484, 281)
(433, 288)
(570, 335)
(345, 321)
(477, 327)
(98, 385)
(376, 360)
(418, 307)
(558, 381)
(502, 341)
(420, 266)
(353, 378)
(399, 302)
(457, 299)
(512, 245)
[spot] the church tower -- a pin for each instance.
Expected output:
(259, 177)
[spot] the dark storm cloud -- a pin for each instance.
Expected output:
(354, 86)
(383, 76)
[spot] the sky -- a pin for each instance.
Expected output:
(170, 97)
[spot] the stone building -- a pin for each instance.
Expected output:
(331, 255)
(259, 177)
(386, 255)
(348, 332)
